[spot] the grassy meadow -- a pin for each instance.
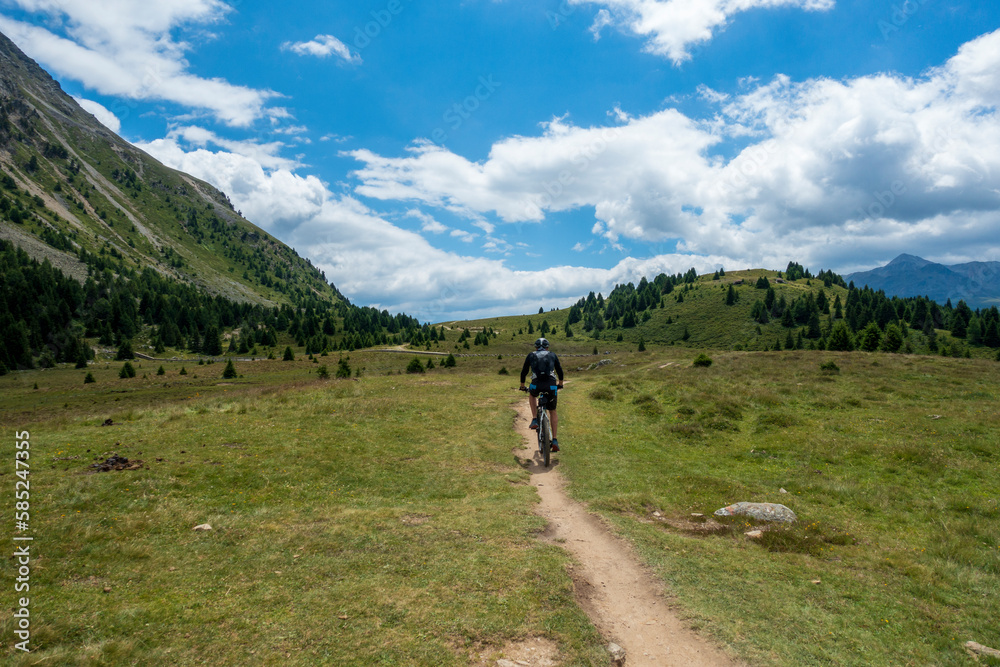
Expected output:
(383, 520)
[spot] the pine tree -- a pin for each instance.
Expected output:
(415, 366)
(124, 351)
(289, 355)
(870, 338)
(343, 368)
(212, 344)
(89, 379)
(975, 331)
(230, 371)
(893, 339)
(992, 336)
(127, 371)
(731, 296)
(840, 338)
(450, 361)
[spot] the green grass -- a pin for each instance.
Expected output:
(890, 465)
(355, 522)
(383, 519)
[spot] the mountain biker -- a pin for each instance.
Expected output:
(544, 366)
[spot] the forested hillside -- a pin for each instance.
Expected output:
(75, 193)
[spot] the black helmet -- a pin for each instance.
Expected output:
(541, 344)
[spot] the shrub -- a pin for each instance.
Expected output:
(602, 394)
(161, 371)
(124, 351)
(829, 367)
(415, 366)
(183, 371)
(89, 379)
(703, 360)
(322, 372)
(503, 371)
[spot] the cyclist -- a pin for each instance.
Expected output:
(544, 366)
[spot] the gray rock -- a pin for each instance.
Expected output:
(617, 654)
(759, 511)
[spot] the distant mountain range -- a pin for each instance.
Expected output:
(977, 283)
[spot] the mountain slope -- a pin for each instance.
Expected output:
(976, 283)
(75, 193)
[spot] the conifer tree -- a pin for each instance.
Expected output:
(230, 370)
(870, 338)
(124, 351)
(289, 355)
(840, 338)
(893, 339)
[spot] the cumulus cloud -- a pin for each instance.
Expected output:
(263, 187)
(671, 27)
(127, 49)
(429, 223)
(380, 264)
(101, 113)
(831, 172)
(323, 46)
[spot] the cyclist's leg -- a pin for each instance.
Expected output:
(554, 420)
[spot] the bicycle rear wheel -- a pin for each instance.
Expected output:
(545, 436)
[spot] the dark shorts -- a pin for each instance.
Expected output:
(547, 387)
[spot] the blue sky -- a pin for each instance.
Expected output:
(461, 159)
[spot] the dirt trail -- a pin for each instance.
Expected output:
(623, 600)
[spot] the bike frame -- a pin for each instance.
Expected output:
(544, 427)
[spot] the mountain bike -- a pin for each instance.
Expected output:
(544, 425)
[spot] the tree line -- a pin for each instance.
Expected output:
(46, 317)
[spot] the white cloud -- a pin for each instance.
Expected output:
(463, 235)
(101, 113)
(323, 46)
(127, 49)
(833, 173)
(377, 263)
(429, 223)
(673, 26)
(601, 21)
(263, 187)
